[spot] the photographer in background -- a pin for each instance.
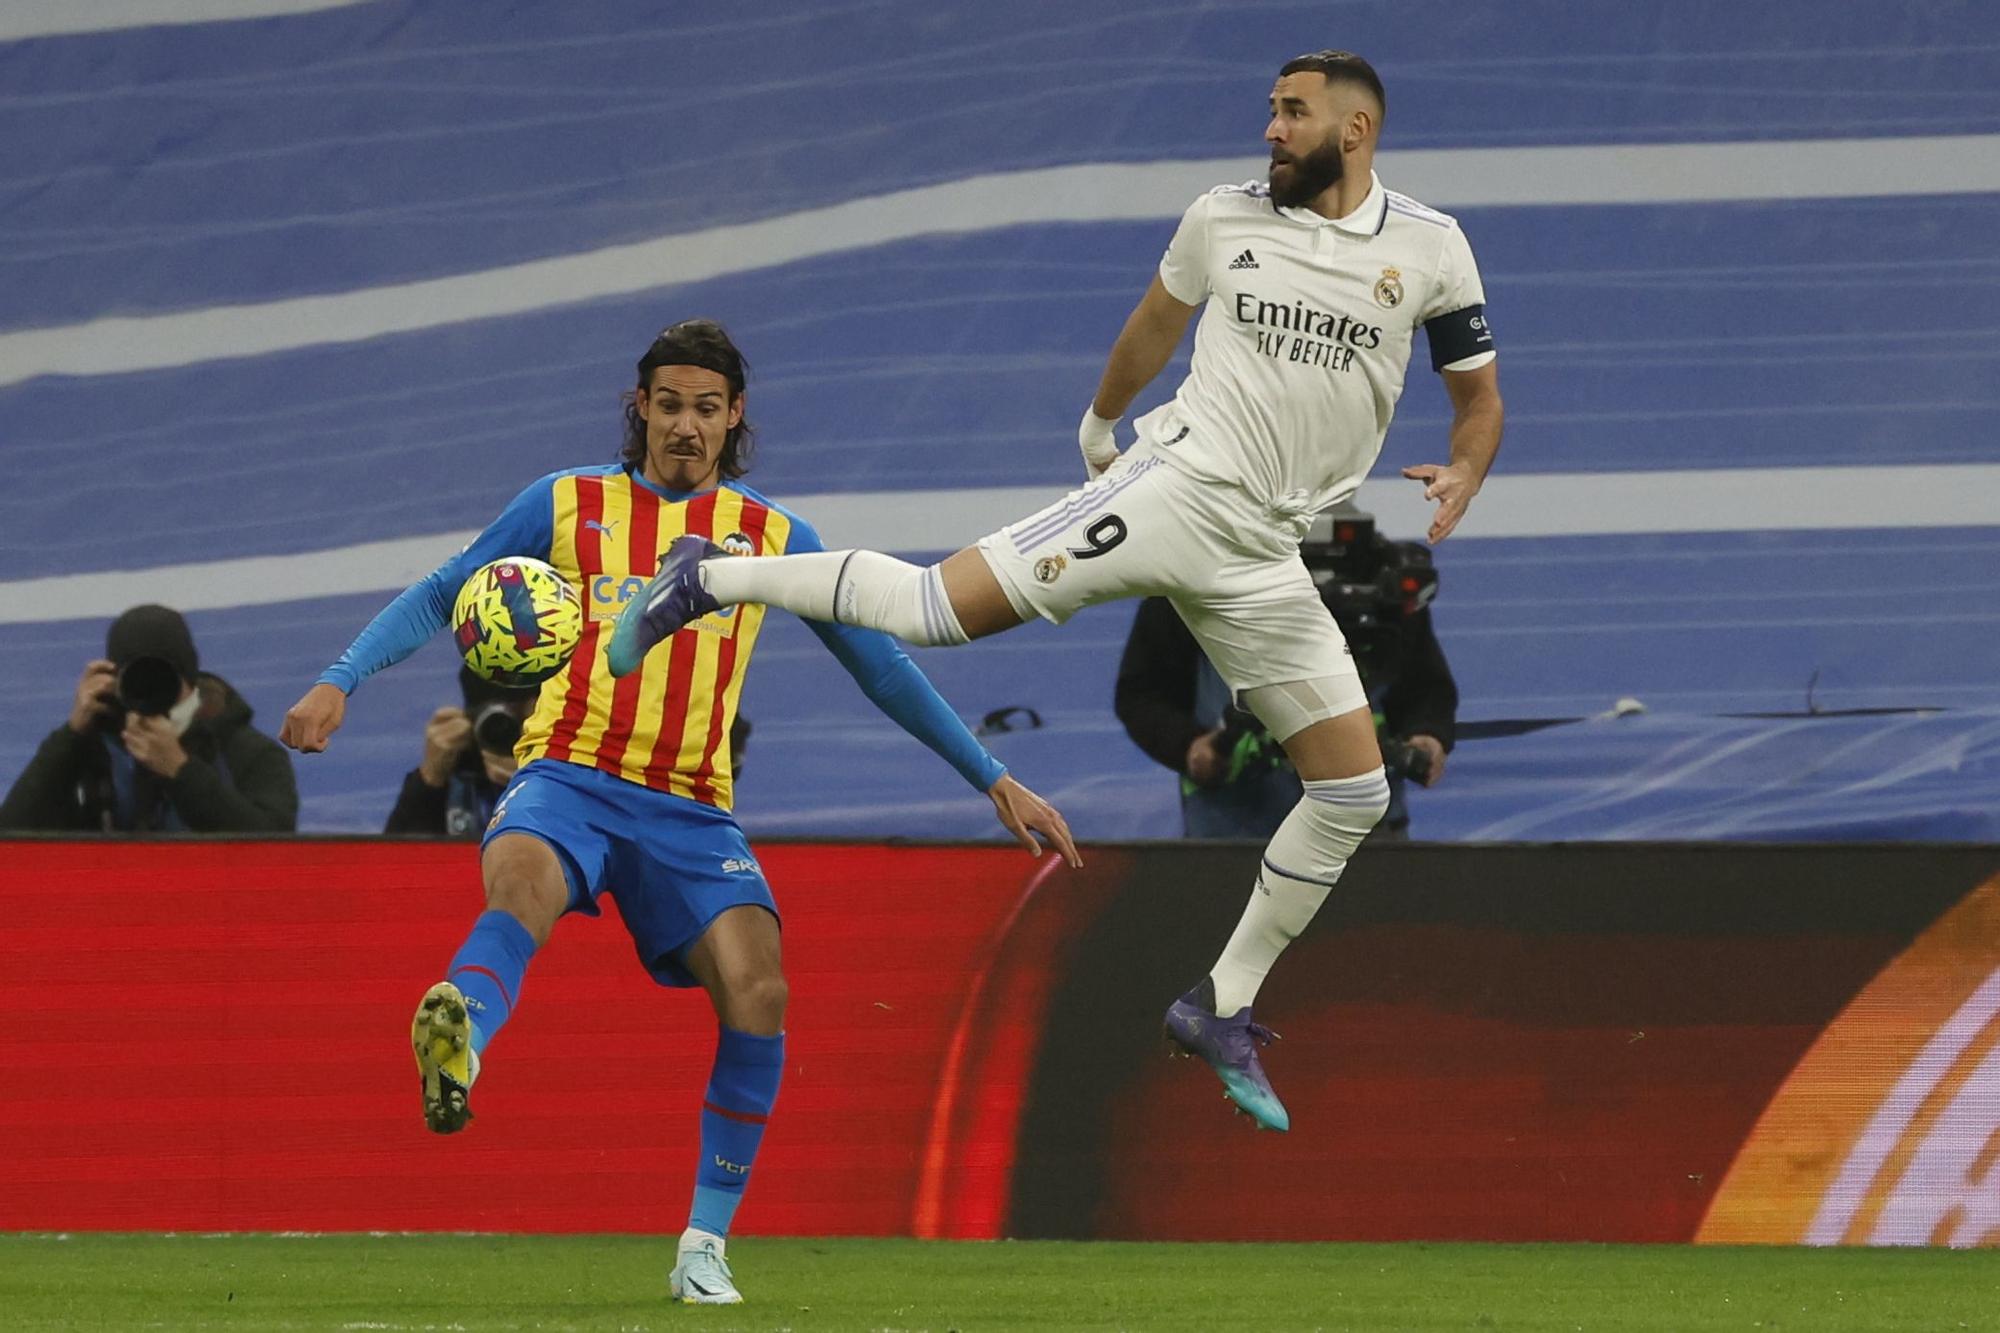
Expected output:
(154, 744)
(469, 758)
(1235, 781)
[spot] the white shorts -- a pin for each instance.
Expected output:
(1231, 569)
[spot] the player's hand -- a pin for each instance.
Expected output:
(1022, 811)
(152, 742)
(93, 696)
(314, 718)
(1433, 747)
(1100, 446)
(1452, 486)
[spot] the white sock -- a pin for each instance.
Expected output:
(863, 588)
(1302, 864)
(694, 1238)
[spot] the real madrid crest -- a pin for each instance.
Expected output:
(1389, 291)
(1049, 567)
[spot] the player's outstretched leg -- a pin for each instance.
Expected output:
(1303, 862)
(865, 588)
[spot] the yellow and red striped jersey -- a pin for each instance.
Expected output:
(667, 724)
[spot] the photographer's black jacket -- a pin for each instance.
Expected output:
(1403, 668)
(236, 780)
(458, 809)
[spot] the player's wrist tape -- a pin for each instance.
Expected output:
(1094, 435)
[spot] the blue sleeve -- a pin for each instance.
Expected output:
(525, 527)
(893, 684)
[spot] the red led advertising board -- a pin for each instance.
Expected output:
(1505, 1043)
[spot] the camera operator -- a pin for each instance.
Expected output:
(469, 759)
(154, 744)
(1235, 781)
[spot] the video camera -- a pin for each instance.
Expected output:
(1364, 578)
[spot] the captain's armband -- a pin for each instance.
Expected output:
(1457, 335)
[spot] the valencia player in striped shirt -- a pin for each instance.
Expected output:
(624, 784)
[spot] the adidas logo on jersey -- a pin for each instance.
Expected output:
(1244, 260)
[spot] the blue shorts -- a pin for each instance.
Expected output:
(673, 865)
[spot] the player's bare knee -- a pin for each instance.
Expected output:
(753, 1000)
(978, 599)
(525, 880)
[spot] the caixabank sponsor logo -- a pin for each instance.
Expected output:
(1888, 1131)
(608, 594)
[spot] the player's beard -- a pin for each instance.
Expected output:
(1310, 176)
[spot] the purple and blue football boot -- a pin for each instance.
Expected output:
(1230, 1047)
(673, 599)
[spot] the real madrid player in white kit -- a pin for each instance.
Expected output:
(1314, 284)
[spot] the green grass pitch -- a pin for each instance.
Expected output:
(356, 1283)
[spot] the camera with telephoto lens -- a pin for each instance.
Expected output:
(148, 686)
(496, 728)
(1364, 578)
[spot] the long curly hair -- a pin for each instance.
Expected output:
(692, 342)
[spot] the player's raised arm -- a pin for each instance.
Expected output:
(1147, 342)
(525, 527)
(1144, 346)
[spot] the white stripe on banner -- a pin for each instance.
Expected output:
(1086, 192)
(1546, 505)
(21, 19)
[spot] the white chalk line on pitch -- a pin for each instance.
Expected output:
(1081, 192)
(1572, 504)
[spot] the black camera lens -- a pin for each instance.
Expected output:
(496, 729)
(149, 686)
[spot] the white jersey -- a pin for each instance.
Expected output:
(1300, 356)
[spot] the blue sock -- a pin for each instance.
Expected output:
(488, 969)
(741, 1089)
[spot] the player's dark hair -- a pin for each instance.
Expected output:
(1339, 67)
(692, 342)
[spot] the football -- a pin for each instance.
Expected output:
(517, 621)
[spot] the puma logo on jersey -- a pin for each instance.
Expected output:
(1244, 260)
